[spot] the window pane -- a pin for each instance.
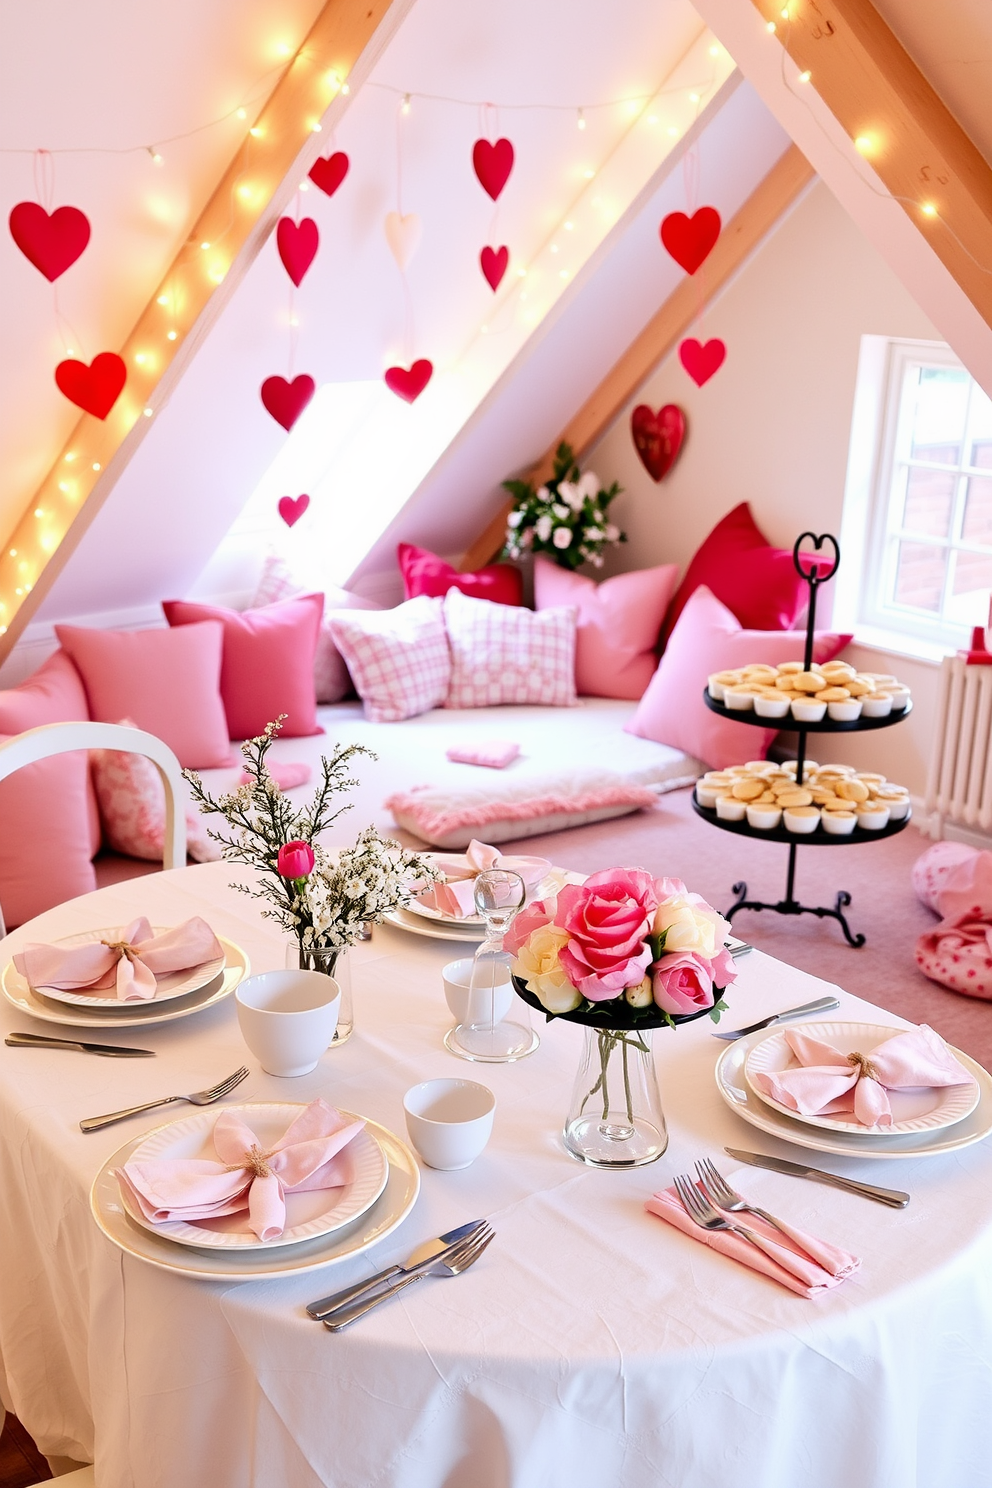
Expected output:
(939, 415)
(929, 502)
(981, 454)
(978, 509)
(969, 603)
(981, 430)
(920, 576)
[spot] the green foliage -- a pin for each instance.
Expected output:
(566, 520)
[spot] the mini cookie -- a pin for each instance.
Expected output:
(859, 686)
(747, 790)
(808, 681)
(823, 797)
(795, 798)
(870, 777)
(789, 668)
(832, 695)
(758, 671)
(852, 790)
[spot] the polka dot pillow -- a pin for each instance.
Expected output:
(505, 654)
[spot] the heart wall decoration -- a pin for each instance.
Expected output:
(492, 164)
(702, 361)
(329, 171)
(403, 236)
(94, 388)
(297, 243)
(292, 508)
(51, 241)
(409, 382)
(658, 437)
(493, 262)
(690, 240)
(285, 401)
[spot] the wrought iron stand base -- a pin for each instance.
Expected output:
(792, 906)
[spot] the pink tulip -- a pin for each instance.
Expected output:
(295, 860)
(683, 983)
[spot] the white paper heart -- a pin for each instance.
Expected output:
(403, 236)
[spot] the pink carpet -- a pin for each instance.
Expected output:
(672, 839)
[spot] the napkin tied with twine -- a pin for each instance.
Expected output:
(456, 895)
(131, 965)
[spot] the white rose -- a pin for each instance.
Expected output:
(543, 494)
(514, 519)
(538, 965)
(561, 512)
(593, 534)
(642, 995)
(690, 924)
(589, 485)
(543, 527)
(612, 533)
(562, 537)
(570, 494)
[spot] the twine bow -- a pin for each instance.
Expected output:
(866, 1070)
(123, 948)
(254, 1161)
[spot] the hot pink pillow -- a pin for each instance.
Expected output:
(45, 844)
(616, 635)
(267, 666)
(168, 681)
(504, 654)
(757, 583)
(132, 807)
(399, 659)
(330, 675)
(425, 573)
(709, 639)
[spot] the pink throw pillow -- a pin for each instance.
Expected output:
(168, 681)
(399, 659)
(267, 666)
(45, 845)
(330, 675)
(736, 562)
(709, 639)
(425, 573)
(933, 868)
(132, 806)
(502, 654)
(619, 622)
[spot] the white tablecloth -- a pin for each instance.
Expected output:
(592, 1346)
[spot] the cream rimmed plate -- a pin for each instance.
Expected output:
(734, 1090)
(434, 929)
(916, 1110)
(126, 1014)
(385, 1215)
(176, 984)
(308, 1215)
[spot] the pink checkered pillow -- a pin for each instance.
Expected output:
(505, 654)
(398, 659)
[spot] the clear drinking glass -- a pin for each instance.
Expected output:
(499, 894)
(615, 1118)
(336, 964)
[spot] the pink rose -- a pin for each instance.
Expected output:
(683, 983)
(607, 919)
(524, 924)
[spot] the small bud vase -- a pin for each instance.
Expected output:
(615, 1118)
(334, 963)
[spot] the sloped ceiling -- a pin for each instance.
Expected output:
(951, 44)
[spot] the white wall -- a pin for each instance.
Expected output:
(772, 427)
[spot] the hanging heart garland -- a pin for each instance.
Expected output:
(329, 171)
(94, 388)
(493, 262)
(285, 401)
(690, 240)
(409, 382)
(493, 164)
(403, 236)
(702, 361)
(297, 243)
(51, 241)
(658, 437)
(292, 508)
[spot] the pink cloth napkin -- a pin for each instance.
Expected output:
(494, 753)
(456, 896)
(307, 1156)
(130, 965)
(828, 1081)
(789, 1268)
(285, 773)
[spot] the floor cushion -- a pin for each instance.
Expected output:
(933, 868)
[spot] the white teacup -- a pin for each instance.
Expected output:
(478, 1006)
(288, 1018)
(449, 1121)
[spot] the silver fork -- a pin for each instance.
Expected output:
(702, 1213)
(453, 1264)
(198, 1098)
(719, 1190)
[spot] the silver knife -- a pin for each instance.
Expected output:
(822, 1005)
(894, 1197)
(39, 1041)
(424, 1255)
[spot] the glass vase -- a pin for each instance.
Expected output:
(336, 964)
(615, 1118)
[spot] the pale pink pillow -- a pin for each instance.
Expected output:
(45, 848)
(503, 654)
(619, 621)
(708, 638)
(933, 867)
(399, 659)
(167, 680)
(132, 807)
(330, 675)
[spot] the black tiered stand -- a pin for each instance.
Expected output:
(810, 570)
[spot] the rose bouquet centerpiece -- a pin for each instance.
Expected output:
(624, 953)
(566, 519)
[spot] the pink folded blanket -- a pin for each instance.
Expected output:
(495, 754)
(307, 1156)
(456, 895)
(131, 964)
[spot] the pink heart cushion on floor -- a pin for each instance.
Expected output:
(709, 639)
(330, 673)
(398, 659)
(618, 625)
(504, 654)
(168, 681)
(425, 573)
(267, 667)
(45, 842)
(132, 807)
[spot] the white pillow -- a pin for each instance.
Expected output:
(506, 654)
(398, 659)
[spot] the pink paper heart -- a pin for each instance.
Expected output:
(409, 382)
(51, 241)
(329, 171)
(287, 400)
(702, 361)
(291, 508)
(493, 262)
(297, 243)
(493, 164)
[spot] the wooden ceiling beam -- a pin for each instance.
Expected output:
(790, 175)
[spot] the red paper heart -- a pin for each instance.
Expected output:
(96, 388)
(51, 242)
(287, 400)
(409, 383)
(690, 239)
(702, 361)
(291, 508)
(297, 243)
(493, 164)
(658, 437)
(493, 262)
(329, 171)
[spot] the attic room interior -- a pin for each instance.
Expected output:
(489, 496)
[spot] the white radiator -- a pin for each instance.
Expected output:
(959, 786)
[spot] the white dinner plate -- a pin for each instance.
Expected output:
(126, 1014)
(918, 1110)
(385, 1215)
(176, 984)
(437, 916)
(442, 929)
(733, 1088)
(308, 1214)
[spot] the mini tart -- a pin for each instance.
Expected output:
(900, 696)
(845, 710)
(729, 808)
(797, 797)
(808, 681)
(789, 668)
(876, 704)
(706, 793)
(839, 823)
(832, 694)
(746, 790)
(852, 790)
(881, 679)
(859, 685)
(739, 698)
(873, 816)
(801, 819)
(772, 704)
(763, 816)
(807, 710)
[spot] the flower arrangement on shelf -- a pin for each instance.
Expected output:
(325, 900)
(567, 519)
